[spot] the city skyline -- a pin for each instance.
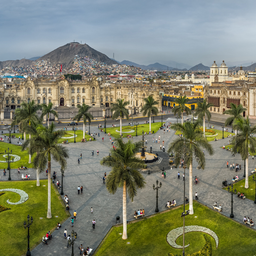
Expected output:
(139, 31)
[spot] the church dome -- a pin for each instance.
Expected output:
(214, 65)
(223, 65)
(241, 72)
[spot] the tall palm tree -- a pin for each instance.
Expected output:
(83, 112)
(47, 110)
(120, 110)
(180, 107)
(243, 141)
(188, 147)
(124, 172)
(235, 114)
(149, 108)
(27, 116)
(45, 144)
(202, 110)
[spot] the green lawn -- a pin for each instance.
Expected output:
(131, 130)
(14, 236)
(148, 237)
(248, 192)
(211, 137)
(16, 150)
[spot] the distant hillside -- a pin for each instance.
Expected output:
(15, 63)
(65, 55)
(35, 58)
(250, 68)
(199, 67)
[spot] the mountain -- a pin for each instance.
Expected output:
(65, 55)
(250, 68)
(35, 58)
(199, 67)
(15, 63)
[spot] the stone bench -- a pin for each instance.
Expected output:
(248, 223)
(217, 208)
(137, 216)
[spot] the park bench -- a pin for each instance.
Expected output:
(215, 207)
(24, 177)
(248, 223)
(139, 215)
(253, 171)
(171, 205)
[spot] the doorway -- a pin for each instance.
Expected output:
(61, 101)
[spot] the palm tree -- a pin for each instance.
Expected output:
(180, 107)
(45, 144)
(149, 108)
(188, 147)
(83, 113)
(27, 116)
(243, 141)
(235, 114)
(120, 110)
(47, 110)
(124, 172)
(202, 110)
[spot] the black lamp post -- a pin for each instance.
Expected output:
(89, 127)
(62, 175)
(10, 141)
(254, 179)
(153, 119)
(27, 225)
(184, 213)
(136, 129)
(244, 167)
(223, 132)
(22, 135)
(105, 123)
(8, 161)
(230, 189)
(74, 133)
(14, 129)
(162, 120)
(73, 238)
(156, 188)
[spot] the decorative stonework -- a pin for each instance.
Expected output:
(126, 132)
(69, 137)
(175, 233)
(14, 157)
(23, 195)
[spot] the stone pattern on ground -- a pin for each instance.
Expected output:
(23, 195)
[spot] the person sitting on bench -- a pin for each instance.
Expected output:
(173, 202)
(44, 240)
(242, 196)
(135, 213)
(251, 223)
(244, 219)
(238, 194)
(48, 235)
(58, 226)
(215, 204)
(168, 204)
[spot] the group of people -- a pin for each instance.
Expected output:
(234, 166)
(84, 251)
(47, 237)
(248, 221)
(235, 178)
(170, 203)
(66, 199)
(80, 189)
(139, 212)
(215, 205)
(240, 195)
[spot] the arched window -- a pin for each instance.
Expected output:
(49, 90)
(101, 99)
(73, 90)
(78, 100)
(44, 100)
(73, 100)
(44, 90)
(83, 90)
(28, 90)
(38, 101)
(78, 90)
(93, 89)
(7, 101)
(61, 90)
(49, 101)
(83, 101)
(38, 91)
(28, 100)
(13, 100)
(106, 98)
(93, 99)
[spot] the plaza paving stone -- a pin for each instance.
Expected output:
(107, 206)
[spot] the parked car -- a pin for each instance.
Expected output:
(73, 123)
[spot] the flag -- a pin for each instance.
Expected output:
(60, 68)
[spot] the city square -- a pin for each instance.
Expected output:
(107, 207)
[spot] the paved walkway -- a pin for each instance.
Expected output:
(107, 206)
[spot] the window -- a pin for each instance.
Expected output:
(101, 99)
(93, 89)
(111, 99)
(244, 93)
(229, 92)
(38, 91)
(234, 93)
(78, 100)
(61, 90)
(73, 90)
(44, 100)
(244, 103)
(83, 90)
(73, 100)
(211, 91)
(44, 90)
(218, 92)
(106, 98)
(214, 109)
(28, 100)
(238, 93)
(224, 100)
(7, 102)
(18, 101)
(221, 71)
(38, 102)
(50, 101)
(137, 103)
(93, 100)
(13, 101)
(28, 90)
(83, 101)
(50, 90)
(78, 90)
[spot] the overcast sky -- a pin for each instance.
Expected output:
(142, 31)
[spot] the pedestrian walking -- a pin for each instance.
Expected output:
(165, 174)
(81, 156)
(81, 248)
(98, 152)
(227, 164)
(75, 214)
(81, 189)
(72, 221)
(4, 172)
(196, 196)
(233, 166)
(230, 167)
(78, 160)
(65, 234)
(78, 190)
(68, 241)
(93, 224)
(103, 179)
(146, 141)
(178, 175)
(93, 153)
(91, 210)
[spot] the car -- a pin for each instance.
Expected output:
(72, 123)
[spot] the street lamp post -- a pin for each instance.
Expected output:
(10, 141)
(156, 188)
(230, 189)
(62, 175)
(105, 123)
(153, 119)
(184, 213)
(254, 179)
(73, 238)
(162, 120)
(74, 133)
(8, 161)
(223, 132)
(27, 225)
(136, 129)
(89, 127)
